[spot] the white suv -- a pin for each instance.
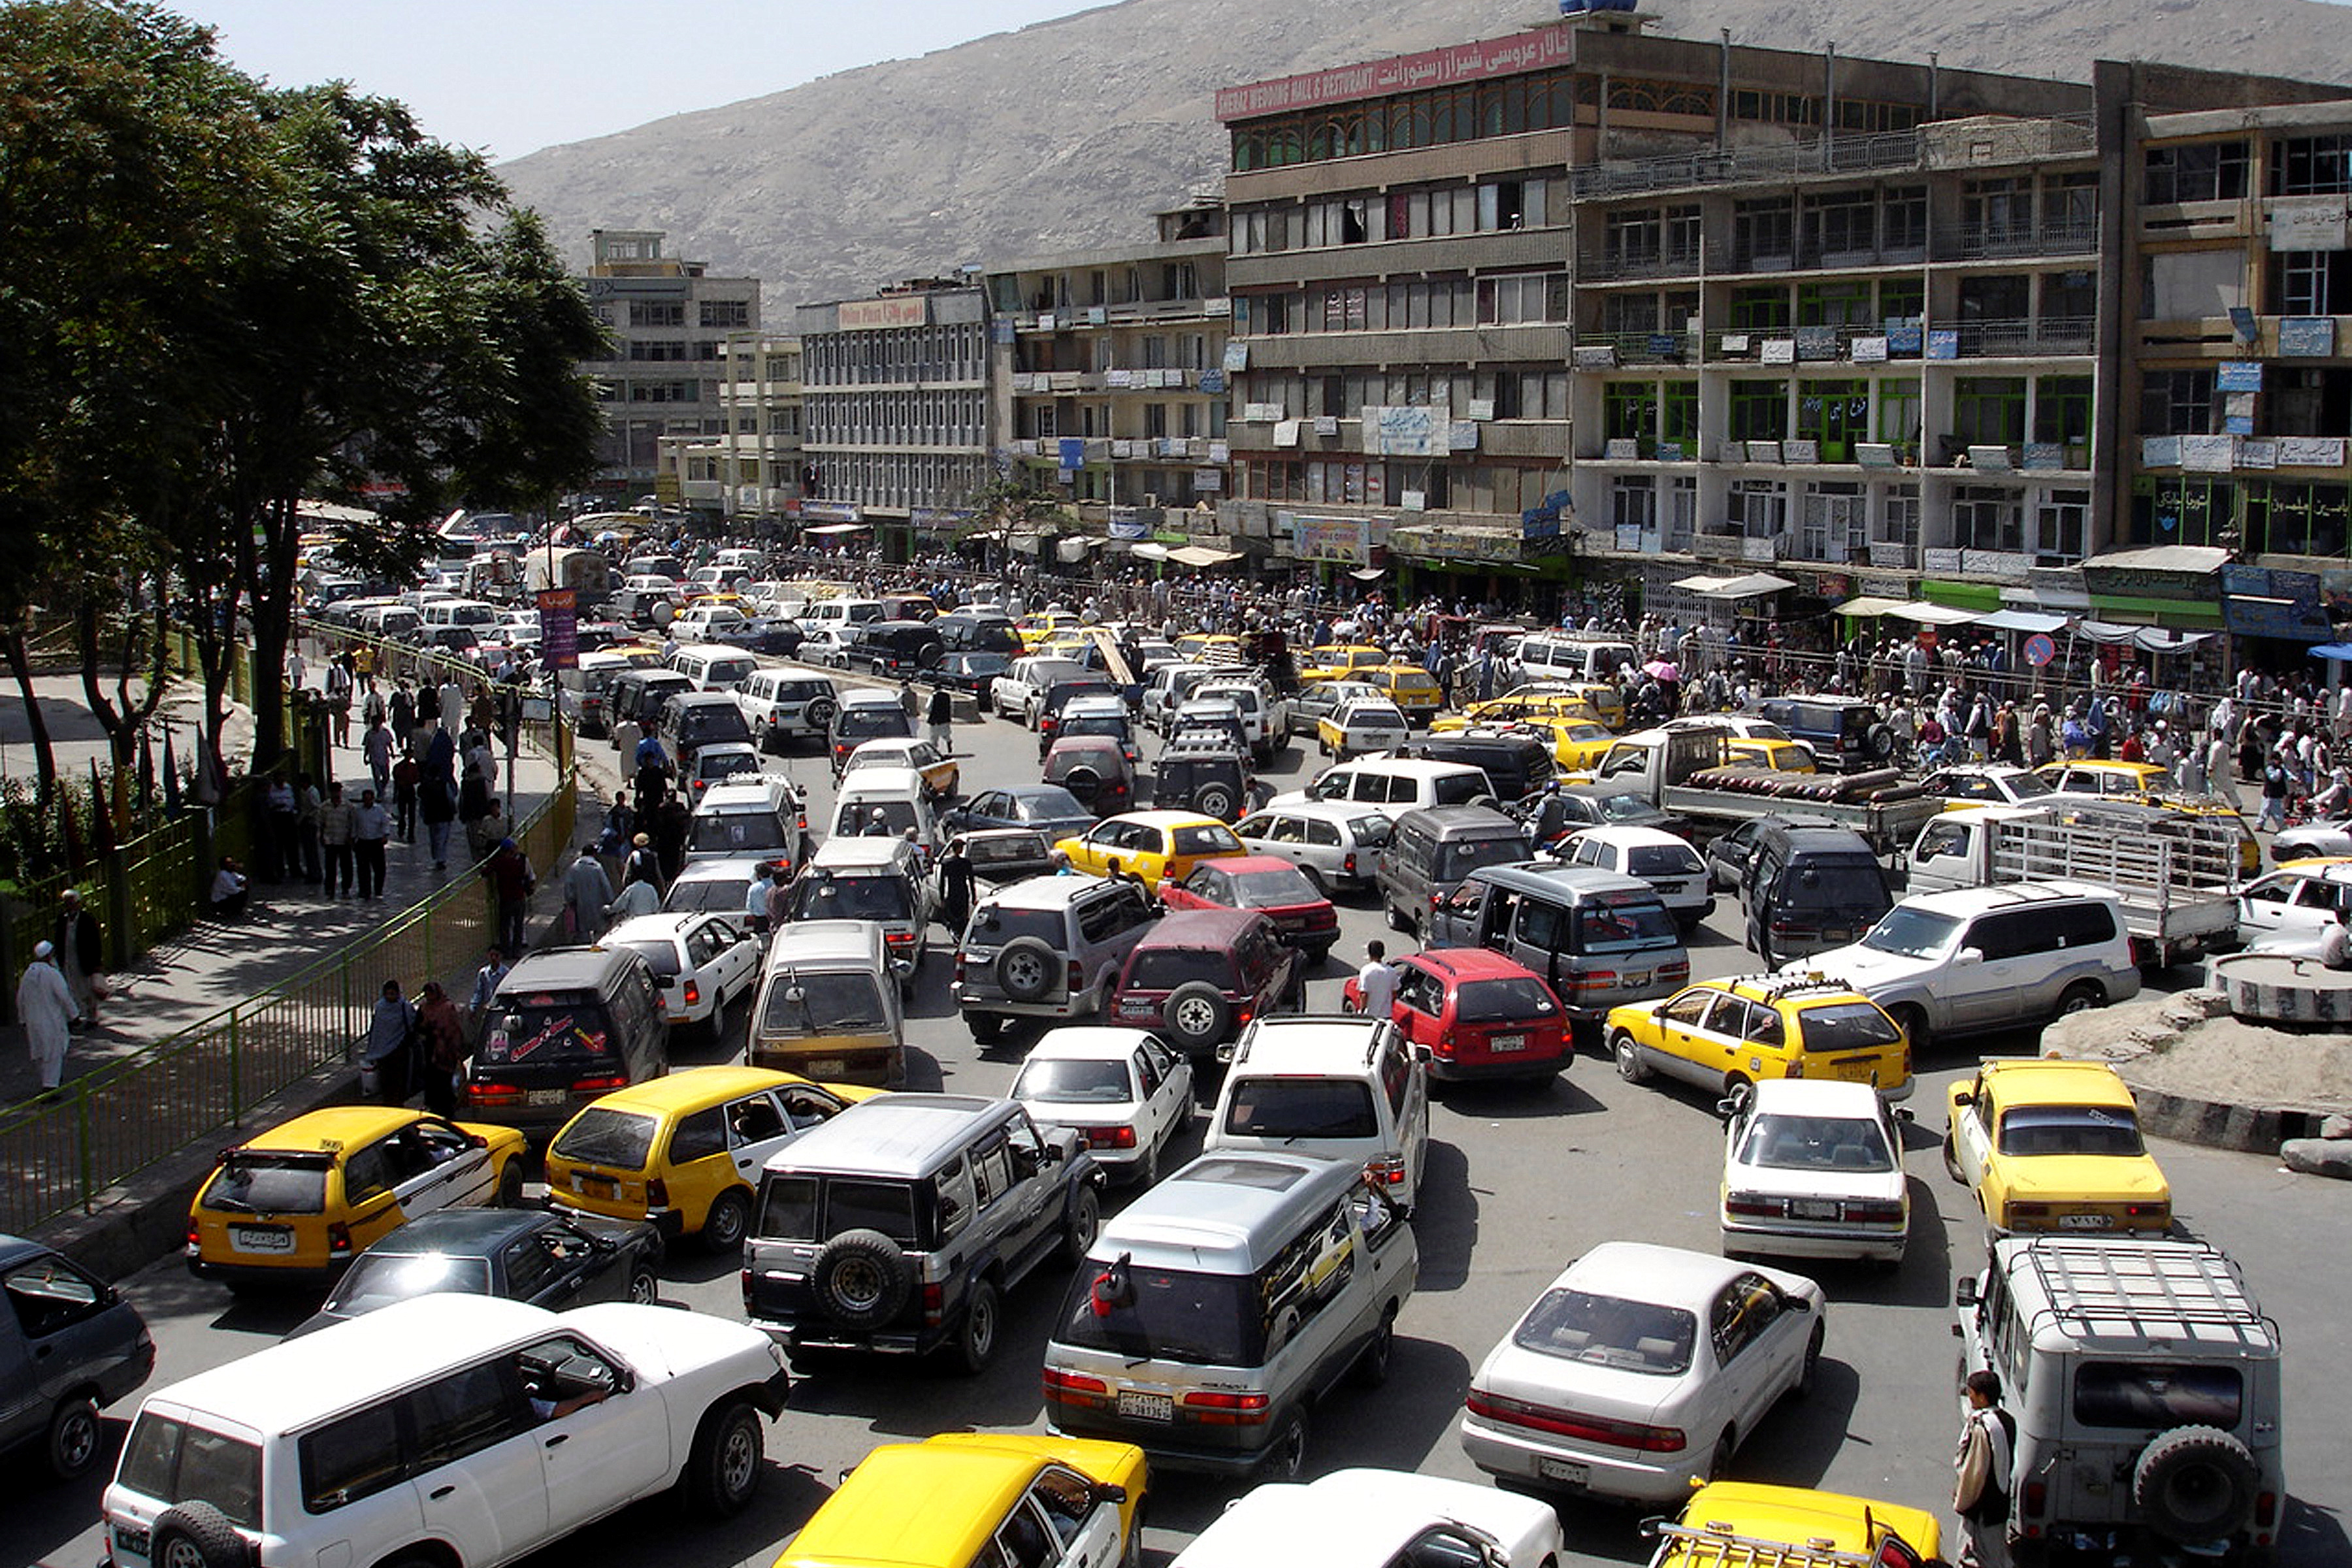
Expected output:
(1339, 1087)
(470, 1425)
(783, 705)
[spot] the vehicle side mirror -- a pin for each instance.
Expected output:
(1107, 1492)
(1963, 1099)
(1964, 1294)
(1422, 1053)
(1969, 955)
(1904, 1113)
(1225, 1054)
(1055, 1154)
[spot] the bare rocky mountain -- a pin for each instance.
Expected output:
(1067, 134)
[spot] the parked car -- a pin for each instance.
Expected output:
(1102, 716)
(971, 671)
(786, 705)
(898, 1226)
(995, 1499)
(1729, 852)
(702, 964)
(1476, 1015)
(1813, 1168)
(69, 1345)
(553, 1261)
(567, 1025)
(1051, 947)
(1302, 915)
(1807, 888)
(1122, 1090)
(1433, 849)
(1200, 975)
(1047, 809)
(1640, 1371)
(2053, 1145)
(1379, 1519)
(1726, 1036)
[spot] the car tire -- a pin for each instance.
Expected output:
(2081, 997)
(1197, 1018)
(730, 1450)
(645, 1288)
(1912, 1019)
(861, 1280)
(1322, 886)
(1215, 800)
(1630, 1065)
(1718, 1463)
(1146, 1169)
(1809, 1372)
(1026, 969)
(73, 1439)
(987, 1028)
(1395, 917)
(820, 712)
(2196, 1484)
(723, 1227)
(1286, 1461)
(510, 1186)
(977, 1332)
(1371, 1368)
(197, 1535)
(1081, 1225)
(1952, 1160)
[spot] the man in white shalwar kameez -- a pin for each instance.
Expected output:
(44, 1005)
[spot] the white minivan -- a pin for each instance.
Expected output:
(1574, 656)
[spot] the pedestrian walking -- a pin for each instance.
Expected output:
(755, 897)
(672, 823)
(642, 864)
(436, 793)
(511, 879)
(406, 780)
(441, 1049)
(654, 773)
(1376, 982)
(1983, 1464)
(907, 698)
(337, 684)
(476, 807)
(375, 749)
(620, 827)
(336, 832)
(942, 716)
(638, 896)
(45, 1006)
(307, 801)
(2277, 781)
(956, 887)
(403, 712)
(487, 981)
(383, 1061)
(371, 825)
(81, 955)
(587, 896)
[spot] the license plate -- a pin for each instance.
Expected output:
(1567, 1470)
(832, 1066)
(595, 1186)
(1840, 935)
(2085, 1221)
(1134, 1008)
(1148, 1406)
(130, 1539)
(1634, 977)
(543, 1097)
(1502, 1044)
(1814, 1208)
(260, 1238)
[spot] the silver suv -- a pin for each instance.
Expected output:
(2144, 1380)
(1051, 947)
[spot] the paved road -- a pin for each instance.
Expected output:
(1518, 1183)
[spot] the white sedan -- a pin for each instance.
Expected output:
(1667, 862)
(1122, 1090)
(701, 962)
(1813, 1168)
(1641, 1370)
(1379, 1519)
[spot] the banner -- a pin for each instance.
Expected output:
(559, 628)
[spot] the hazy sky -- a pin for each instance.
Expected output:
(509, 77)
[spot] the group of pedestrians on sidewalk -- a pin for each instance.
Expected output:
(418, 1050)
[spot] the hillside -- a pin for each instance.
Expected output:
(1066, 134)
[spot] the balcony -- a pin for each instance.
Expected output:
(2026, 339)
(1605, 351)
(1722, 166)
(1672, 261)
(1989, 242)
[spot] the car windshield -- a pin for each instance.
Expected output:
(171, 1461)
(834, 897)
(1165, 1314)
(822, 1002)
(736, 833)
(1274, 889)
(701, 895)
(1664, 860)
(1108, 724)
(866, 722)
(1296, 1107)
(660, 954)
(1622, 923)
(1779, 1142)
(616, 1140)
(1166, 968)
(1095, 1082)
(1912, 932)
(1610, 1331)
(378, 1279)
(712, 766)
(855, 819)
(1504, 1001)
(1208, 838)
(261, 1183)
(994, 926)
(1847, 1027)
(1012, 849)
(809, 1208)
(1457, 860)
(1050, 804)
(1625, 808)
(547, 1029)
(2069, 1130)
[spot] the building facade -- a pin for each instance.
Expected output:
(750, 472)
(1731, 327)
(667, 323)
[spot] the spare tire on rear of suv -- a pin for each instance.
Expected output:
(821, 711)
(1196, 1016)
(1083, 782)
(1214, 799)
(2196, 1484)
(861, 1279)
(1026, 969)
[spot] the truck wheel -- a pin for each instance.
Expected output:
(197, 1535)
(975, 1341)
(723, 1470)
(1630, 1065)
(73, 1437)
(2196, 1484)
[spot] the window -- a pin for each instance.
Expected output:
(2061, 411)
(1898, 411)
(49, 1294)
(463, 1413)
(699, 1136)
(2310, 165)
(530, 1266)
(2310, 282)
(1898, 519)
(992, 1172)
(1998, 214)
(1759, 411)
(658, 313)
(1633, 502)
(1985, 517)
(1763, 233)
(2176, 403)
(2059, 520)
(1903, 214)
(1525, 297)
(354, 1457)
(1756, 509)
(1840, 223)
(2208, 172)
(1835, 415)
(1629, 410)
(1759, 308)
(1988, 411)
(1832, 527)
(725, 312)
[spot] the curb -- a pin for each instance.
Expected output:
(2218, 1124)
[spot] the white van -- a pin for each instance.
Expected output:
(782, 704)
(761, 815)
(442, 1427)
(712, 666)
(839, 615)
(477, 615)
(1575, 655)
(899, 793)
(1339, 1088)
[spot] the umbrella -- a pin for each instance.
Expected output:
(1662, 669)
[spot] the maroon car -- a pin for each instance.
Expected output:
(1200, 976)
(1277, 888)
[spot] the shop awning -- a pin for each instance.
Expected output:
(1369, 573)
(1744, 587)
(1145, 550)
(2021, 621)
(2334, 652)
(1929, 614)
(1202, 555)
(1869, 606)
(2149, 639)
(2193, 560)
(839, 528)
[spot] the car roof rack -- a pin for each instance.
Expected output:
(1776, 987)
(1706, 1548)
(2096, 1288)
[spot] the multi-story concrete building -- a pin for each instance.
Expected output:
(752, 471)
(1734, 326)
(896, 409)
(668, 322)
(1110, 384)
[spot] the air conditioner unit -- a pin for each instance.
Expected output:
(1151, 501)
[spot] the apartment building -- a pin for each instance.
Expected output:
(1733, 327)
(896, 412)
(752, 470)
(1109, 382)
(668, 319)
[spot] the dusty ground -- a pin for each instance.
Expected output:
(2162, 1043)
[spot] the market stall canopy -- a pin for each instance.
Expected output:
(2149, 639)
(1369, 573)
(1147, 551)
(1747, 587)
(2194, 560)
(2334, 652)
(1202, 555)
(1870, 606)
(1929, 614)
(2027, 621)
(831, 528)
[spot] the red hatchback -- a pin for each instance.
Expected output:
(1479, 1013)
(1275, 887)
(1199, 977)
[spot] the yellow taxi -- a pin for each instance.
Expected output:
(2053, 1145)
(685, 1150)
(1722, 1034)
(293, 1204)
(1039, 626)
(1763, 1526)
(1409, 686)
(1756, 752)
(1335, 661)
(2149, 784)
(1578, 744)
(716, 596)
(966, 1498)
(1151, 847)
(1212, 647)
(1536, 704)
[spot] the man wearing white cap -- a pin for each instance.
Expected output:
(44, 1005)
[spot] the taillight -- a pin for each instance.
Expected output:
(1226, 1409)
(1109, 1137)
(338, 1238)
(657, 1196)
(2266, 1515)
(2034, 1500)
(693, 992)
(2158, 1214)
(491, 1094)
(1076, 1387)
(1570, 1424)
(935, 1302)
(1872, 1210)
(1348, 866)
(1077, 977)
(2025, 1211)
(1593, 980)
(1755, 1206)
(1385, 1170)
(194, 1238)
(959, 967)
(600, 1083)
(1675, 972)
